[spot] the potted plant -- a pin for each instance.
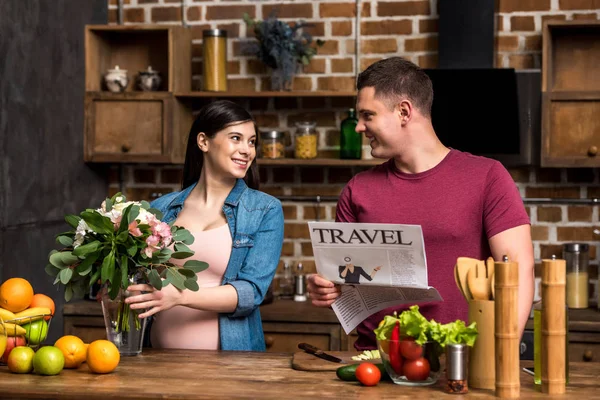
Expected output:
(282, 47)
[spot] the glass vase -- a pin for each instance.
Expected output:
(123, 327)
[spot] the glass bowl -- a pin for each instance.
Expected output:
(421, 368)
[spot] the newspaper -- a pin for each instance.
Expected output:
(378, 266)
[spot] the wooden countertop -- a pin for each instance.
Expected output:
(187, 374)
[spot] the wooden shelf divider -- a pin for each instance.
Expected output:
(250, 94)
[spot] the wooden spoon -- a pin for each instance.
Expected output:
(478, 282)
(463, 265)
(492, 283)
(457, 279)
(489, 266)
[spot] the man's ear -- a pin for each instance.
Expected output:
(405, 111)
(202, 141)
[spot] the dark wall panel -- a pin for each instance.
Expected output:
(42, 173)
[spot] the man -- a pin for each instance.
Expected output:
(467, 206)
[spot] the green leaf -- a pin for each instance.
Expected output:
(122, 237)
(115, 285)
(65, 275)
(52, 270)
(166, 280)
(182, 247)
(154, 279)
(162, 256)
(78, 291)
(183, 235)
(176, 278)
(108, 204)
(64, 240)
(182, 254)
(68, 293)
(118, 194)
(94, 277)
(133, 213)
(131, 250)
(86, 265)
(191, 285)
(88, 248)
(97, 222)
(108, 267)
(72, 220)
(145, 204)
(157, 213)
(188, 273)
(63, 259)
(195, 265)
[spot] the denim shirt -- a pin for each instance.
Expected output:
(255, 221)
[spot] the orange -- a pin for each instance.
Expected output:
(16, 294)
(41, 300)
(73, 349)
(102, 356)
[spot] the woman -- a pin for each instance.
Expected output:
(237, 229)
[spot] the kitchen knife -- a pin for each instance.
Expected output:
(319, 353)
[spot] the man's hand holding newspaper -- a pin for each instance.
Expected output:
(364, 268)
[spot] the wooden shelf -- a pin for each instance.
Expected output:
(316, 93)
(325, 162)
(137, 95)
(574, 95)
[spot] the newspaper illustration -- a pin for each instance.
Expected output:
(378, 266)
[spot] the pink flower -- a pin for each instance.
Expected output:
(153, 240)
(117, 221)
(134, 230)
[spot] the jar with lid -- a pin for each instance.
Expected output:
(306, 140)
(576, 256)
(272, 144)
(214, 53)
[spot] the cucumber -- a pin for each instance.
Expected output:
(348, 372)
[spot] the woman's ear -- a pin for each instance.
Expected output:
(202, 141)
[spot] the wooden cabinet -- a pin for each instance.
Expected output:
(571, 94)
(285, 324)
(135, 126)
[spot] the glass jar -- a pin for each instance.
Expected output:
(272, 144)
(214, 52)
(306, 140)
(577, 257)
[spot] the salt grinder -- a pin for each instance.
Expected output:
(553, 326)
(300, 289)
(457, 358)
(506, 316)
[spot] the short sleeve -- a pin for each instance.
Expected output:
(503, 207)
(345, 210)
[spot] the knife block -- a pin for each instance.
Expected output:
(482, 367)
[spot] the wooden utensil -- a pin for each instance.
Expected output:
(492, 283)
(478, 282)
(463, 265)
(457, 280)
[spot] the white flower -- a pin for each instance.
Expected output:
(80, 232)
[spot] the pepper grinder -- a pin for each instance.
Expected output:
(300, 294)
(554, 329)
(506, 319)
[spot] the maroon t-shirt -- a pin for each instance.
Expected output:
(460, 203)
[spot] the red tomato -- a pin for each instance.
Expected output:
(416, 370)
(410, 350)
(368, 374)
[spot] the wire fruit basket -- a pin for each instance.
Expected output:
(31, 331)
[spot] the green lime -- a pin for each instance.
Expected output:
(48, 360)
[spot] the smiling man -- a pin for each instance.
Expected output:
(467, 206)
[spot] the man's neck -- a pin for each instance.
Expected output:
(423, 152)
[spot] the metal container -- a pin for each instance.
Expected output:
(576, 255)
(457, 359)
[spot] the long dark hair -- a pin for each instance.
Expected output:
(211, 119)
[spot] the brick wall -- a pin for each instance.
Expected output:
(407, 28)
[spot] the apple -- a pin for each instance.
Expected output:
(36, 331)
(11, 343)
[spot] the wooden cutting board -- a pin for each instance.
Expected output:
(302, 361)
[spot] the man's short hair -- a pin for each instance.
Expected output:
(395, 79)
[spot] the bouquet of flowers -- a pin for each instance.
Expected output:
(118, 244)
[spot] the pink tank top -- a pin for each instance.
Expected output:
(187, 328)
